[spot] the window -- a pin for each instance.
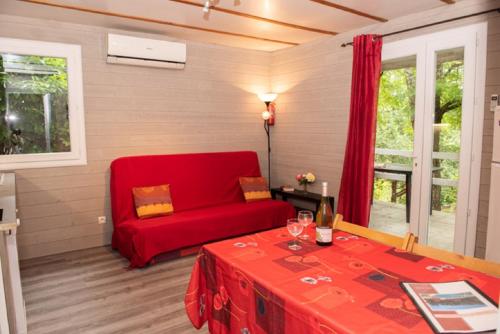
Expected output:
(41, 105)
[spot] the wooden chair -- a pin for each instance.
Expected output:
(383, 238)
(469, 262)
(411, 245)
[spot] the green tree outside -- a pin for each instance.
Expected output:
(22, 90)
(395, 127)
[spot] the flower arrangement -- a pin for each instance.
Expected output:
(305, 179)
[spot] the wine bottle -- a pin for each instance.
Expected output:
(324, 219)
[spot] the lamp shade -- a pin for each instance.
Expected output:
(268, 97)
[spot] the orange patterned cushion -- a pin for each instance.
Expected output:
(254, 188)
(153, 201)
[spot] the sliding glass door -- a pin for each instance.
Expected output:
(429, 125)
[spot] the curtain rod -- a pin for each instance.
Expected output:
(432, 24)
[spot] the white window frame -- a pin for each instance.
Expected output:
(78, 153)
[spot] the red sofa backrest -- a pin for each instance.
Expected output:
(196, 180)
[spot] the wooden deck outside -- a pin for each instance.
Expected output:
(390, 218)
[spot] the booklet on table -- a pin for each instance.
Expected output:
(454, 307)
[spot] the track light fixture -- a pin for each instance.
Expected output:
(206, 7)
(212, 3)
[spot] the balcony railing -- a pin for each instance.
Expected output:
(453, 156)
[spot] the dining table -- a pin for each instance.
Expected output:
(255, 284)
(407, 171)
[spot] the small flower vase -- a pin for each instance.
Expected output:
(305, 187)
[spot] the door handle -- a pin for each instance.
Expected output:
(415, 162)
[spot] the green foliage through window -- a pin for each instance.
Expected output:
(34, 115)
(395, 125)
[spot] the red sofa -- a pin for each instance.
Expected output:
(207, 199)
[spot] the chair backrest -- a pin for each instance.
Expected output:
(196, 180)
(411, 245)
(469, 262)
(383, 238)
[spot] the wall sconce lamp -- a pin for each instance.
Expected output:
(269, 117)
(268, 97)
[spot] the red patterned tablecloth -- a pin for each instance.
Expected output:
(254, 284)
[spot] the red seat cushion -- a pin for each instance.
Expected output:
(141, 240)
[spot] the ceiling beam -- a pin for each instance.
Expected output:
(449, 2)
(258, 18)
(349, 10)
(150, 20)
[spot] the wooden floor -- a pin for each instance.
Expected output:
(91, 291)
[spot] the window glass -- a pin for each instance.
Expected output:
(34, 113)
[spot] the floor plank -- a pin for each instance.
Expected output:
(92, 291)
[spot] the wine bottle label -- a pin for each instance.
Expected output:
(323, 234)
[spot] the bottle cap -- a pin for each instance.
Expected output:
(325, 188)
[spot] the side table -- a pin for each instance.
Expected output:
(301, 195)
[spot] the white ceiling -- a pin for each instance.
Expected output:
(299, 12)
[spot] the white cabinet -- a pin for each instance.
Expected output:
(493, 236)
(12, 311)
(496, 136)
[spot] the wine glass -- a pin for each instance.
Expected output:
(305, 217)
(295, 228)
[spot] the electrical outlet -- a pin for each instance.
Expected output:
(494, 102)
(101, 220)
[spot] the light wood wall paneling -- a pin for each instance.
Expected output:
(209, 106)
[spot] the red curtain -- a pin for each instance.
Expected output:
(357, 177)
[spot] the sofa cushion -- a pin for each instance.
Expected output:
(153, 201)
(254, 188)
(140, 242)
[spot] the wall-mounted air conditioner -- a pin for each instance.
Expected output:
(145, 52)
